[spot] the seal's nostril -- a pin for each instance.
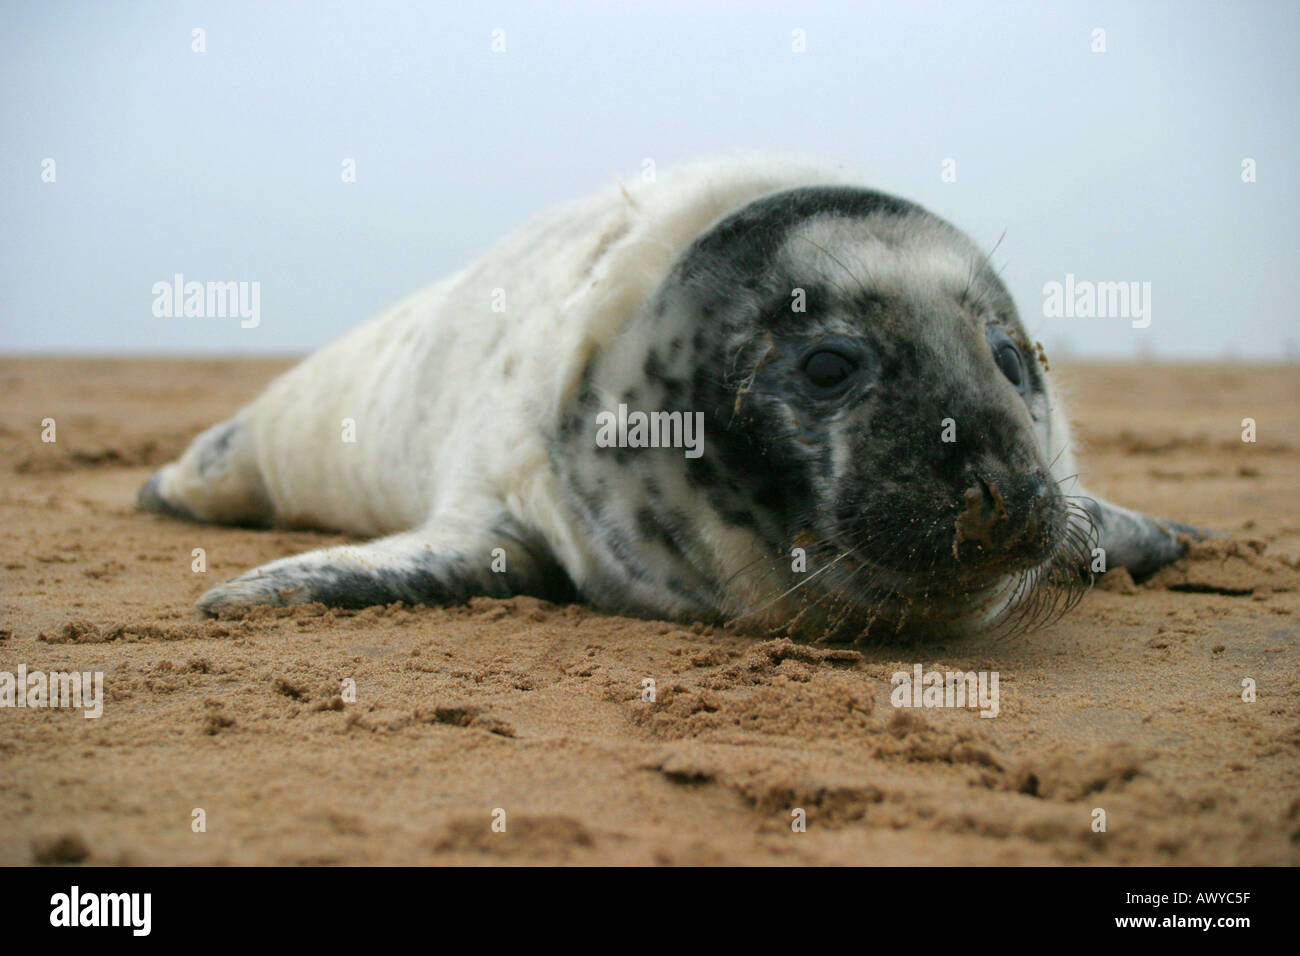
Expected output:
(992, 497)
(984, 510)
(1001, 515)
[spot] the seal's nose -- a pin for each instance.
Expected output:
(1000, 517)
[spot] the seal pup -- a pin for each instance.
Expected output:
(881, 445)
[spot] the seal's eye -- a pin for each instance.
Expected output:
(828, 370)
(1008, 359)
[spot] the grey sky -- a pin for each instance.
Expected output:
(225, 165)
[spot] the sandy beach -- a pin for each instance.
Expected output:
(1132, 704)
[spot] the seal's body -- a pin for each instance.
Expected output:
(880, 443)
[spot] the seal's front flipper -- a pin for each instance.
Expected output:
(436, 565)
(1136, 541)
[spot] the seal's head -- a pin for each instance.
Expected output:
(876, 421)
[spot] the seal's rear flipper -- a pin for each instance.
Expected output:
(216, 480)
(1136, 541)
(441, 564)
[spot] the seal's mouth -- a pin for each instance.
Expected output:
(1006, 579)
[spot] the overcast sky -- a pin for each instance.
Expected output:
(1123, 165)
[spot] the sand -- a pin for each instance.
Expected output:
(1131, 705)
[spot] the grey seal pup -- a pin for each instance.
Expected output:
(749, 391)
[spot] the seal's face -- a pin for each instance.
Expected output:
(871, 398)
